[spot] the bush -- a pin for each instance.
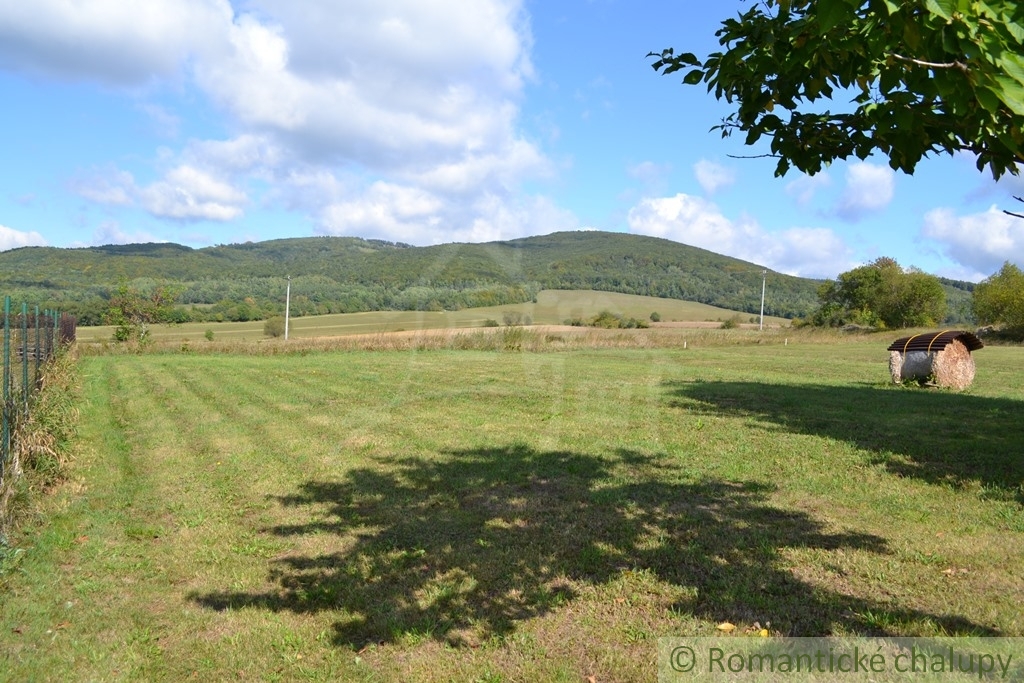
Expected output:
(607, 320)
(274, 327)
(633, 323)
(491, 322)
(516, 319)
(655, 317)
(732, 323)
(209, 335)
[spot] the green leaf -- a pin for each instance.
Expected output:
(988, 99)
(944, 8)
(1011, 93)
(831, 13)
(1014, 29)
(1013, 65)
(892, 6)
(693, 78)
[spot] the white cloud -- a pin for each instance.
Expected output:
(113, 188)
(338, 110)
(385, 84)
(712, 176)
(502, 168)
(385, 209)
(12, 239)
(247, 153)
(808, 252)
(980, 242)
(411, 214)
(869, 188)
(188, 193)
(500, 219)
(185, 193)
(110, 232)
(805, 187)
(112, 41)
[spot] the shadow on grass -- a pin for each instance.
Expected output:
(937, 436)
(463, 546)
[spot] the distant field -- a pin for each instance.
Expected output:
(507, 516)
(553, 307)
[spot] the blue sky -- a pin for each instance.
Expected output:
(427, 121)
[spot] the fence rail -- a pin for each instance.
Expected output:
(30, 339)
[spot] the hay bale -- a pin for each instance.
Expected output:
(954, 366)
(951, 366)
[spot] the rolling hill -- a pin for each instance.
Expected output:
(349, 274)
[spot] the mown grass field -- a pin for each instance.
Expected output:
(508, 516)
(552, 308)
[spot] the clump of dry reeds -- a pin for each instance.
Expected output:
(41, 439)
(537, 339)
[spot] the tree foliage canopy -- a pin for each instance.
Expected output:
(925, 76)
(882, 294)
(999, 300)
(132, 311)
(242, 282)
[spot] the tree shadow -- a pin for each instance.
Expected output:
(464, 546)
(937, 436)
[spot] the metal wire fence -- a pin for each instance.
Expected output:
(30, 339)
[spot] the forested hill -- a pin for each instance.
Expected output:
(346, 274)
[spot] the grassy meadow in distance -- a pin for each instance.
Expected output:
(508, 516)
(552, 308)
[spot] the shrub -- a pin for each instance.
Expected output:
(516, 318)
(655, 317)
(607, 320)
(209, 335)
(491, 322)
(732, 323)
(274, 327)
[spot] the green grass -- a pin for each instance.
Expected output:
(469, 515)
(552, 308)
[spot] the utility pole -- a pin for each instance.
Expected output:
(288, 305)
(764, 279)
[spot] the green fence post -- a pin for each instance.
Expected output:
(47, 337)
(24, 356)
(5, 438)
(39, 346)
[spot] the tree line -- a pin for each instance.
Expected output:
(344, 275)
(884, 295)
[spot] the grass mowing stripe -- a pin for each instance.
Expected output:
(81, 562)
(516, 516)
